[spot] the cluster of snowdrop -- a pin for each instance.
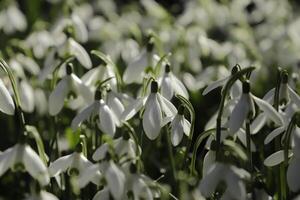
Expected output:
(98, 102)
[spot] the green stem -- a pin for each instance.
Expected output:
(248, 139)
(171, 156)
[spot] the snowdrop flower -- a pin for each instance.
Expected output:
(106, 120)
(78, 27)
(179, 126)
(23, 157)
(101, 73)
(231, 175)
(69, 83)
(39, 42)
(155, 106)
(13, 15)
(74, 164)
(138, 184)
(235, 90)
(170, 84)
(134, 71)
(112, 173)
(7, 105)
(124, 147)
(69, 48)
(245, 109)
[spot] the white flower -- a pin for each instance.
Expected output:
(231, 175)
(7, 105)
(245, 109)
(138, 184)
(170, 84)
(124, 147)
(102, 194)
(69, 83)
(113, 174)
(135, 70)
(74, 164)
(179, 126)
(22, 156)
(101, 73)
(155, 106)
(13, 15)
(106, 119)
(71, 47)
(235, 90)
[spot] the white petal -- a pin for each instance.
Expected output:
(293, 175)
(186, 127)
(177, 130)
(209, 182)
(102, 195)
(115, 179)
(235, 186)
(60, 165)
(274, 134)
(133, 108)
(178, 86)
(27, 97)
(84, 115)
(133, 73)
(243, 138)
(166, 120)
(239, 114)
(100, 152)
(82, 89)
(6, 160)
(80, 28)
(294, 96)
(17, 18)
(6, 102)
(166, 87)
(236, 90)
(35, 166)
(208, 161)
(269, 111)
(80, 53)
(56, 99)
(214, 85)
(167, 107)
(49, 65)
(257, 123)
(106, 124)
(274, 159)
(115, 105)
(141, 190)
(152, 117)
(91, 173)
(47, 196)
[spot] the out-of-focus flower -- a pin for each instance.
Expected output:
(13, 15)
(23, 157)
(155, 106)
(7, 105)
(69, 83)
